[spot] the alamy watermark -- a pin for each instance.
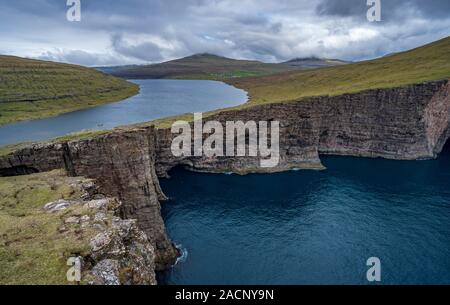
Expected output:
(74, 11)
(74, 272)
(374, 12)
(242, 139)
(374, 272)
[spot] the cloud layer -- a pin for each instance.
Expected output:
(146, 31)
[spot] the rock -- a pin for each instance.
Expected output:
(106, 272)
(124, 255)
(100, 241)
(98, 227)
(85, 221)
(98, 204)
(85, 218)
(90, 190)
(62, 229)
(100, 217)
(57, 206)
(72, 220)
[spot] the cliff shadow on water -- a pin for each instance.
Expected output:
(446, 150)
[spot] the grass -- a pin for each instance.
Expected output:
(84, 134)
(33, 89)
(78, 136)
(430, 62)
(33, 250)
(7, 149)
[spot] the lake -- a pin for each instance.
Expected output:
(310, 227)
(157, 99)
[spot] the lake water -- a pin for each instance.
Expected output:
(312, 227)
(157, 99)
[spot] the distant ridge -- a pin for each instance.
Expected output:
(314, 62)
(198, 66)
(211, 66)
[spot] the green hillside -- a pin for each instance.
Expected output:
(32, 89)
(430, 62)
(200, 66)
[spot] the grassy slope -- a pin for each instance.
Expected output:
(32, 89)
(200, 66)
(430, 62)
(33, 250)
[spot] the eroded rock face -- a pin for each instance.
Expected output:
(119, 252)
(405, 123)
(123, 255)
(437, 120)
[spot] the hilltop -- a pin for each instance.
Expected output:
(314, 62)
(198, 66)
(33, 89)
(426, 63)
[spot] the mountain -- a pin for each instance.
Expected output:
(199, 66)
(33, 89)
(426, 63)
(314, 63)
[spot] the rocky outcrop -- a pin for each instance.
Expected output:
(437, 120)
(122, 255)
(406, 123)
(119, 251)
(123, 163)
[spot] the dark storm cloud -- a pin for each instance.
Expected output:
(142, 31)
(147, 51)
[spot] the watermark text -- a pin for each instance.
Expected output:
(242, 139)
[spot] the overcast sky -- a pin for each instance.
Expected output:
(114, 32)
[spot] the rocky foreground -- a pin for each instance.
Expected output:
(405, 123)
(78, 223)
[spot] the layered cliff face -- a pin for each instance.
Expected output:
(406, 123)
(123, 165)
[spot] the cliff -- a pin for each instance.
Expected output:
(123, 165)
(405, 123)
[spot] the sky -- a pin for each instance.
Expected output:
(120, 32)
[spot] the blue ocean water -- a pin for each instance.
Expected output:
(312, 227)
(157, 99)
